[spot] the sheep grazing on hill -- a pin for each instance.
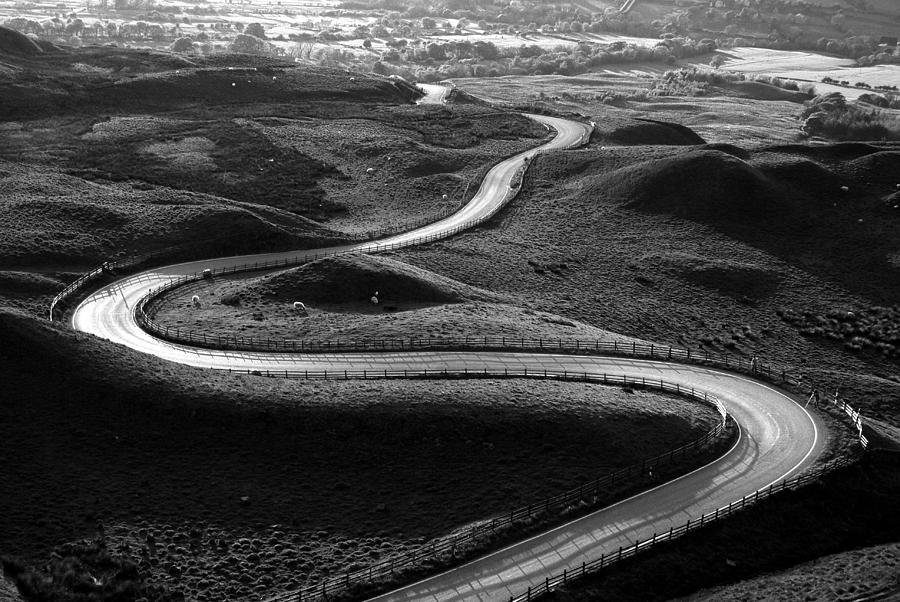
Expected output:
(371, 170)
(374, 299)
(301, 309)
(195, 301)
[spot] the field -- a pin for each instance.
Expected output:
(811, 68)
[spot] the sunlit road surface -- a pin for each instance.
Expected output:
(778, 437)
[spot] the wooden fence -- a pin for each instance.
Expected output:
(552, 582)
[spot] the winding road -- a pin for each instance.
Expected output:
(778, 437)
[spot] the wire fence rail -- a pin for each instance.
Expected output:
(445, 550)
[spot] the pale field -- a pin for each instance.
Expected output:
(717, 119)
(810, 67)
(544, 41)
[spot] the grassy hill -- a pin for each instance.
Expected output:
(704, 247)
(110, 151)
(413, 304)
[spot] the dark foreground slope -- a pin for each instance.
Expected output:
(850, 509)
(223, 487)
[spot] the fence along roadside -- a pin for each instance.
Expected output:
(606, 560)
(486, 529)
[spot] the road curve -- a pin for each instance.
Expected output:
(778, 437)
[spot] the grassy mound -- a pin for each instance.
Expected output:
(354, 279)
(51, 218)
(840, 151)
(27, 283)
(119, 80)
(17, 44)
(698, 184)
(804, 178)
(763, 91)
(885, 163)
(413, 304)
(225, 487)
(730, 149)
(729, 277)
(648, 131)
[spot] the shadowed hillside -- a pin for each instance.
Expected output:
(207, 486)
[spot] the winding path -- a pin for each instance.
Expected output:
(778, 437)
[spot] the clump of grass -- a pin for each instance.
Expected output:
(231, 299)
(82, 572)
(874, 328)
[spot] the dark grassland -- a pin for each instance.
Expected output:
(853, 508)
(224, 487)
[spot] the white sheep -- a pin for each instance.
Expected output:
(374, 298)
(301, 310)
(195, 301)
(371, 170)
(444, 197)
(845, 189)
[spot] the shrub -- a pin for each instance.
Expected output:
(831, 116)
(232, 299)
(876, 328)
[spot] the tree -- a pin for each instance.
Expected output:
(256, 30)
(247, 44)
(182, 45)
(75, 28)
(436, 51)
(487, 51)
(839, 21)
